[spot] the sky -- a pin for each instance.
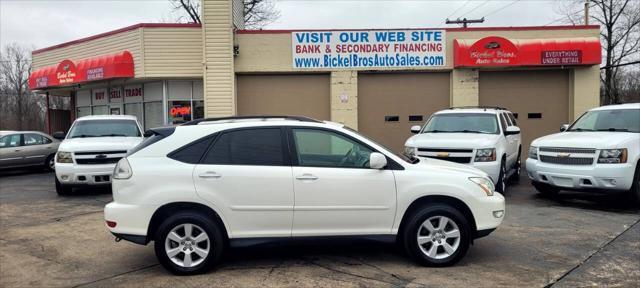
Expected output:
(39, 23)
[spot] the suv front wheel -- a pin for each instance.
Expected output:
(62, 189)
(188, 243)
(436, 235)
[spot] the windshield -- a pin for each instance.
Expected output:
(620, 120)
(104, 128)
(462, 123)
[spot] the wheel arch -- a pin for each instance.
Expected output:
(440, 199)
(165, 211)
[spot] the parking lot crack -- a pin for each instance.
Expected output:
(332, 269)
(116, 275)
(591, 255)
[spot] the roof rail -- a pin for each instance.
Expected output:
(478, 107)
(261, 118)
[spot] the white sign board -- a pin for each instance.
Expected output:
(368, 49)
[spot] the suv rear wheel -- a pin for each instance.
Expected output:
(501, 185)
(634, 193)
(188, 243)
(50, 163)
(518, 167)
(436, 235)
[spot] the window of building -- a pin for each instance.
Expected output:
(100, 110)
(248, 147)
(179, 112)
(83, 111)
(320, 148)
(134, 109)
(153, 114)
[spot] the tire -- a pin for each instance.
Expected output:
(202, 254)
(49, 163)
(634, 192)
(416, 230)
(545, 189)
(501, 185)
(518, 168)
(63, 190)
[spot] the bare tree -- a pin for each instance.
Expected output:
(20, 108)
(620, 36)
(257, 13)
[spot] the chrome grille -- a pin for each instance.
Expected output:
(98, 157)
(463, 160)
(566, 160)
(455, 150)
(568, 150)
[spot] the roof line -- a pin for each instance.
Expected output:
(121, 30)
(498, 28)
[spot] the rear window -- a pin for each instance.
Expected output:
(248, 147)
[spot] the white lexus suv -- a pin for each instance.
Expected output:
(198, 188)
(599, 152)
(486, 138)
(91, 149)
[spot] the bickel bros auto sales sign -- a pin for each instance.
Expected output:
(368, 49)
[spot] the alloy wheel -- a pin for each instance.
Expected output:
(187, 245)
(438, 237)
(52, 163)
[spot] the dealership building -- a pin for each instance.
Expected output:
(378, 81)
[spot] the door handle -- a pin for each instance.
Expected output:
(17, 150)
(209, 174)
(307, 177)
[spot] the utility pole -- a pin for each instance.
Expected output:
(586, 12)
(464, 21)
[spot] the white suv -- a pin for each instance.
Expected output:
(91, 149)
(196, 188)
(599, 152)
(486, 138)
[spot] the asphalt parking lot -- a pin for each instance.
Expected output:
(573, 240)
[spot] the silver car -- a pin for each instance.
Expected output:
(27, 148)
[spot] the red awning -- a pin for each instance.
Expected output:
(66, 73)
(496, 51)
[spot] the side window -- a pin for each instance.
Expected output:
(503, 122)
(191, 153)
(32, 139)
(46, 140)
(248, 147)
(10, 141)
(513, 119)
(320, 148)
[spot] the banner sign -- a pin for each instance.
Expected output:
(563, 57)
(368, 49)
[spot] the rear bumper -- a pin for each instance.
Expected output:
(130, 220)
(73, 174)
(608, 177)
(138, 239)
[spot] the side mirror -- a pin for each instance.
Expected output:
(564, 127)
(377, 160)
(512, 130)
(415, 129)
(59, 135)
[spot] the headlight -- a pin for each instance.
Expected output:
(122, 170)
(63, 157)
(410, 151)
(613, 156)
(485, 155)
(484, 183)
(533, 152)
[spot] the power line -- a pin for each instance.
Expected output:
(454, 12)
(474, 8)
(501, 8)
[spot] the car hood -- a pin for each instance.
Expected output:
(595, 140)
(452, 140)
(99, 144)
(451, 166)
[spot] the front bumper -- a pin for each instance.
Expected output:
(489, 212)
(491, 168)
(575, 177)
(74, 174)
